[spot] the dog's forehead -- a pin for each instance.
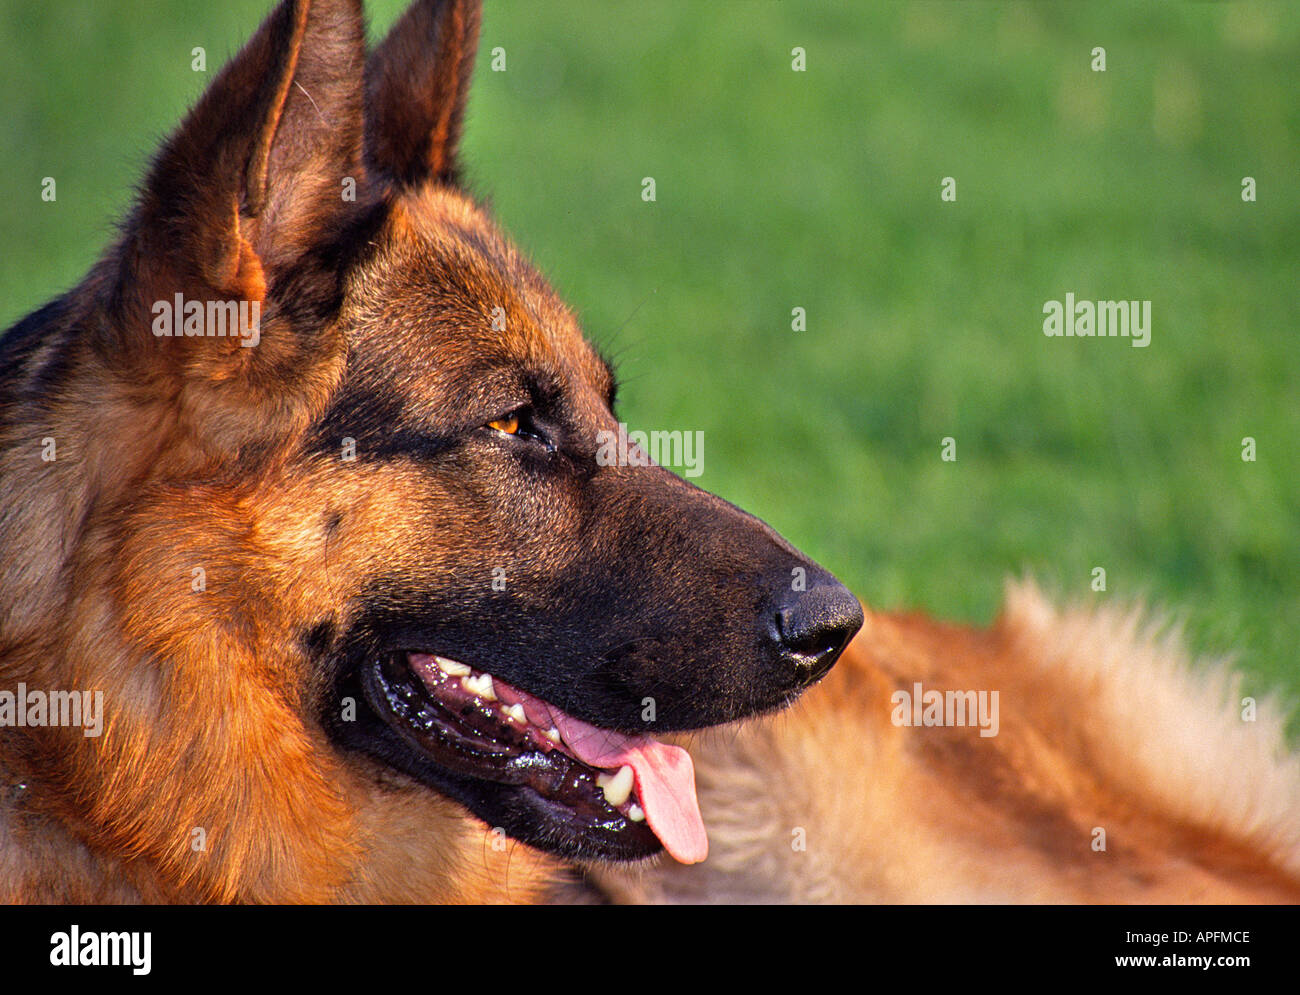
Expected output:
(462, 297)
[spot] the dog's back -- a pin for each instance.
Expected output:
(1121, 772)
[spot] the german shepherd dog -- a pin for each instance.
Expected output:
(315, 587)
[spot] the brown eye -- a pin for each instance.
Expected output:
(519, 424)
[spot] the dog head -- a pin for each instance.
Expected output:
(379, 529)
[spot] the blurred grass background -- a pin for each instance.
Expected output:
(778, 189)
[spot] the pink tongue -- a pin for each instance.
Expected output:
(665, 781)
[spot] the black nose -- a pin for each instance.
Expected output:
(813, 627)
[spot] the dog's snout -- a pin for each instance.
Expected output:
(812, 628)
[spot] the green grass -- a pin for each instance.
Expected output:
(820, 189)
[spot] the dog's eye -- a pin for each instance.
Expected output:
(509, 424)
(519, 423)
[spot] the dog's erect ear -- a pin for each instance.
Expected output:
(256, 172)
(416, 84)
(242, 207)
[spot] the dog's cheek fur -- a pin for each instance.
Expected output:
(227, 745)
(210, 749)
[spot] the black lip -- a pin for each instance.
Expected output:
(546, 800)
(593, 679)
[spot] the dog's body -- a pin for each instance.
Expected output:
(366, 609)
(1105, 724)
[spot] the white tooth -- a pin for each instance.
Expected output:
(516, 712)
(553, 735)
(617, 787)
(481, 686)
(451, 668)
(635, 814)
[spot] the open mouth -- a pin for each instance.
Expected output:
(552, 779)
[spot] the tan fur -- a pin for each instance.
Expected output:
(1105, 722)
